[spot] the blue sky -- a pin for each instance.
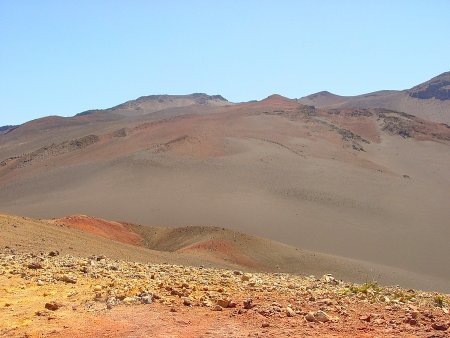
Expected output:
(61, 57)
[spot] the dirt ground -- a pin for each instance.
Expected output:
(50, 295)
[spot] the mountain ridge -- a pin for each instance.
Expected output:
(154, 103)
(335, 180)
(7, 129)
(429, 100)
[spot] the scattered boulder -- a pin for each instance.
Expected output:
(53, 306)
(216, 308)
(365, 318)
(290, 312)
(224, 303)
(414, 314)
(310, 317)
(248, 304)
(328, 278)
(245, 278)
(53, 253)
(69, 279)
(35, 265)
(41, 313)
(322, 316)
(178, 286)
(440, 326)
(147, 299)
(411, 321)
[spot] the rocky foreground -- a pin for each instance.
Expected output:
(54, 295)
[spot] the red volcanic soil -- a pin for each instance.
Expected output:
(159, 321)
(108, 229)
(360, 123)
(222, 250)
(58, 295)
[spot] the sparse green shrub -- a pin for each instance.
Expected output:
(439, 301)
(366, 288)
(403, 296)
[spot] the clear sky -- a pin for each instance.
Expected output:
(64, 57)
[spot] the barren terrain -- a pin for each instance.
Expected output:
(51, 286)
(429, 100)
(367, 184)
(193, 216)
(190, 245)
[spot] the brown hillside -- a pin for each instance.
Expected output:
(368, 184)
(429, 100)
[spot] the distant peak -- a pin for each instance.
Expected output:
(322, 93)
(276, 98)
(436, 88)
(7, 129)
(199, 97)
(208, 97)
(445, 75)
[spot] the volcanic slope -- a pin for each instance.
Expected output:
(368, 184)
(430, 100)
(81, 235)
(67, 278)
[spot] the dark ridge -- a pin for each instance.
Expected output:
(200, 98)
(323, 92)
(172, 97)
(88, 112)
(7, 129)
(46, 152)
(208, 97)
(318, 94)
(437, 88)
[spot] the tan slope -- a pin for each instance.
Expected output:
(206, 246)
(371, 185)
(91, 236)
(220, 244)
